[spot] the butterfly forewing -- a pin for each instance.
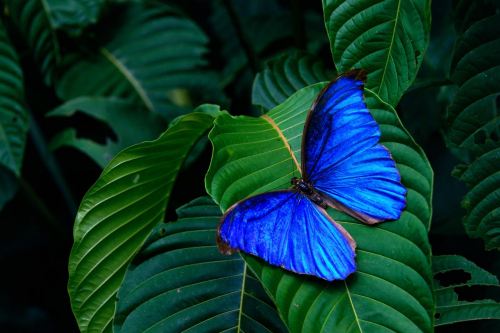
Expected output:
(341, 156)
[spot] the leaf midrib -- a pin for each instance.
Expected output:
(48, 15)
(243, 282)
(283, 139)
(398, 10)
(129, 77)
(353, 308)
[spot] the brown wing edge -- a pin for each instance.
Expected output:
(360, 216)
(357, 74)
(340, 228)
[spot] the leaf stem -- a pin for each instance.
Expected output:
(245, 43)
(37, 203)
(51, 164)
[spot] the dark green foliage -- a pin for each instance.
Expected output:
(449, 308)
(153, 55)
(182, 282)
(131, 123)
(473, 123)
(13, 118)
(124, 83)
(110, 230)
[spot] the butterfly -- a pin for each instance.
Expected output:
(344, 167)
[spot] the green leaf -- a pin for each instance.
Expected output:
(387, 38)
(466, 12)
(482, 201)
(392, 289)
(31, 18)
(13, 118)
(263, 23)
(472, 126)
(130, 123)
(449, 309)
(118, 213)
(152, 54)
(73, 16)
(284, 75)
(180, 282)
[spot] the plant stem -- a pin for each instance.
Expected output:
(38, 205)
(245, 43)
(51, 164)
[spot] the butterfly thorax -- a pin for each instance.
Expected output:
(306, 188)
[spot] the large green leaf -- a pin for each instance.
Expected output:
(130, 123)
(152, 54)
(180, 282)
(392, 289)
(284, 75)
(387, 38)
(13, 118)
(449, 309)
(118, 213)
(472, 126)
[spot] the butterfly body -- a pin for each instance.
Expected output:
(306, 188)
(344, 167)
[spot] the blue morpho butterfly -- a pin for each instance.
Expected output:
(344, 167)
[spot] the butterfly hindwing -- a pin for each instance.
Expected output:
(342, 158)
(286, 229)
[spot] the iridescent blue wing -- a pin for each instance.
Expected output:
(341, 156)
(286, 229)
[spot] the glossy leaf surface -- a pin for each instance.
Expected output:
(180, 282)
(117, 215)
(284, 75)
(386, 38)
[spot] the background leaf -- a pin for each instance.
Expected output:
(473, 126)
(449, 309)
(263, 23)
(284, 75)
(73, 16)
(118, 213)
(151, 54)
(13, 118)
(180, 282)
(392, 288)
(130, 123)
(387, 38)
(32, 20)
